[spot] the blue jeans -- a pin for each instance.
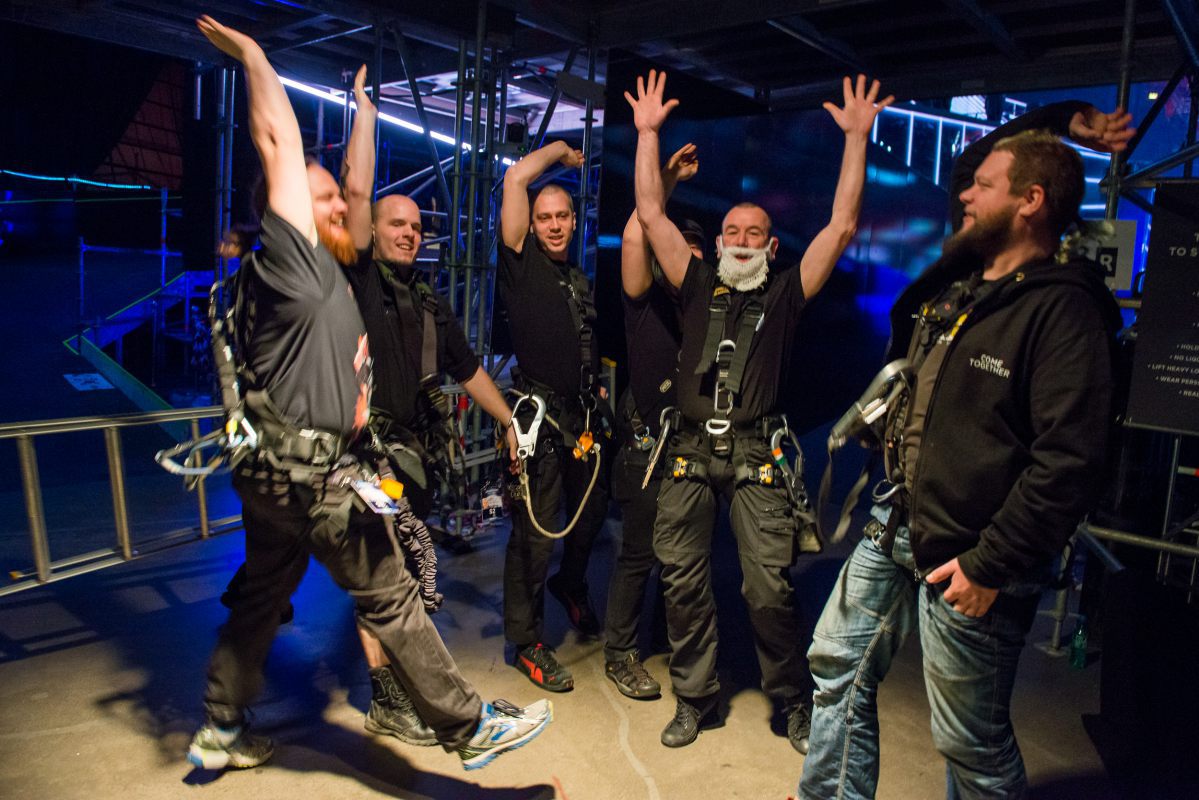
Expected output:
(969, 672)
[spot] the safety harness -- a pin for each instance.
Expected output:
(526, 447)
(729, 355)
(317, 458)
(877, 420)
(577, 290)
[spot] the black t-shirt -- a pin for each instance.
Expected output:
(308, 346)
(654, 335)
(397, 347)
(782, 301)
(544, 335)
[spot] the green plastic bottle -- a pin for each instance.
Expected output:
(1078, 645)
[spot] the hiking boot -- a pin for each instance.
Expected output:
(218, 748)
(689, 715)
(578, 607)
(392, 712)
(538, 664)
(632, 678)
(799, 727)
(504, 727)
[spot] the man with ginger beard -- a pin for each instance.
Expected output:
(738, 326)
(305, 375)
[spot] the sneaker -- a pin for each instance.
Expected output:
(799, 727)
(632, 678)
(504, 727)
(578, 606)
(217, 748)
(689, 715)
(538, 664)
(392, 712)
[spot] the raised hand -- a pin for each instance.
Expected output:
(683, 165)
(227, 40)
(360, 96)
(649, 112)
(571, 158)
(1107, 133)
(860, 108)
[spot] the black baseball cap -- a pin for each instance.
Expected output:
(693, 233)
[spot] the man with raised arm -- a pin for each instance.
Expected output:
(992, 461)
(739, 321)
(551, 317)
(415, 340)
(651, 320)
(305, 362)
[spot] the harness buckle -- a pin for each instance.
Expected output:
(766, 474)
(526, 438)
(718, 427)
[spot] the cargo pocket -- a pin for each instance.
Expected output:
(778, 542)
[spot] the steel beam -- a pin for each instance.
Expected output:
(1163, 97)
(419, 105)
(801, 30)
(1116, 166)
(990, 26)
(1185, 19)
(537, 140)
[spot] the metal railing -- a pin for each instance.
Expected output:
(45, 570)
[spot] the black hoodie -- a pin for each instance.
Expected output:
(1014, 439)
(1016, 428)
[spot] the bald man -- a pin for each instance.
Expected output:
(551, 317)
(738, 327)
(408, 408)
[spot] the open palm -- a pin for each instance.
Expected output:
(857, 116)
(649, 112)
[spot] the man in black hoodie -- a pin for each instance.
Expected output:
(995, 451)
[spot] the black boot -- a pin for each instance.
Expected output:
(392, 713)
(689, 716)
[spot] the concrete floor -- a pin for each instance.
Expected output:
(101, 677)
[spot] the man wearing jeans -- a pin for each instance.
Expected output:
(995, 450)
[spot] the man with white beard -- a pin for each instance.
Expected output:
(739, 322)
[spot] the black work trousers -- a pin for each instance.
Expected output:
(556, 479)
(765, 528)
(636, 560)
(283, 528)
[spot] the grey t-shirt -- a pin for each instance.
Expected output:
(308, 345)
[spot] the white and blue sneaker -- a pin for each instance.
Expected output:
(218, 748)
(502, 727)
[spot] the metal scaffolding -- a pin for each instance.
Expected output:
(462, 211)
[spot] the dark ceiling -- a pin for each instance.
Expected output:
(788, 53)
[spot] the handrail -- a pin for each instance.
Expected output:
(45, 570)
(12, 430)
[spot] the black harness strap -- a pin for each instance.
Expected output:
(582, 312)
(729, 355)
(428, 352)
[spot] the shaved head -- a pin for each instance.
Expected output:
(553, 220)
(747, 214)
(397, 229)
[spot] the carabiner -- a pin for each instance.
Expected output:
(526, 438)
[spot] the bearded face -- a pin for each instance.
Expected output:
(744, 268)
(983, 236)
(333, 235)
(329, 215)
